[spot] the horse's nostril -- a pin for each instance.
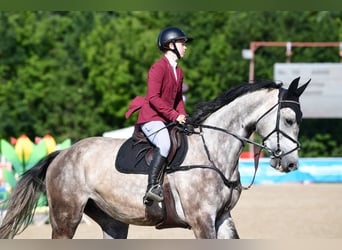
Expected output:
(292, 166)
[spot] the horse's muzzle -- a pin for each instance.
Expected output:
(282, 165)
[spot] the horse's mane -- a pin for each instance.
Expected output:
(205, 109)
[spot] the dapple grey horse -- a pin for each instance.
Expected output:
(83, 179)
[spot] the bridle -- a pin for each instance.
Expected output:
(278, 153)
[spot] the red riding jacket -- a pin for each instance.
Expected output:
(164, 98)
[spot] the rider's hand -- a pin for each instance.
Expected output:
(181, 119)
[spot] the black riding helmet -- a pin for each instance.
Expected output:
(171, 35)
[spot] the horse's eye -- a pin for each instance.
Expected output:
(289, 122)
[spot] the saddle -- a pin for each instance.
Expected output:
(135, 154)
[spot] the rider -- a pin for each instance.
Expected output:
(162, 104)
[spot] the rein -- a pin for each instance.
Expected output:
(212, 165)
(274, 153)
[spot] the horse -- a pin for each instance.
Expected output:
(83, 180)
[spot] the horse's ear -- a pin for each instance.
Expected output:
(301, 89)
(294, 85)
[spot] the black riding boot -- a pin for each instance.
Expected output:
(154, 190)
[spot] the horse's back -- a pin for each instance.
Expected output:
(90, 155)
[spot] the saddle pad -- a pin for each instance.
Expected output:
(131, 156)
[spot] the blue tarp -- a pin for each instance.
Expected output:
(309, 170)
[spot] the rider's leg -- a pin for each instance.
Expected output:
(156, 169)
(159, 136)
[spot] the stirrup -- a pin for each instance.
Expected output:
(152, 194)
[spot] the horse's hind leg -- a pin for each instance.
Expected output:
(225, 227)
(111, 228)
(65, 216)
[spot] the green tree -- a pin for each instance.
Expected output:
(72, 74)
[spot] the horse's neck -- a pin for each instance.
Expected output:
(236, 117)
(241, 114)
(248, 109)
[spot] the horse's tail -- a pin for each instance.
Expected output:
(20, 205)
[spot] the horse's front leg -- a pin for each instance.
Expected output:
(204, 230)
(226, 228)
(204, 227)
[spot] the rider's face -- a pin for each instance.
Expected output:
(181, 46)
